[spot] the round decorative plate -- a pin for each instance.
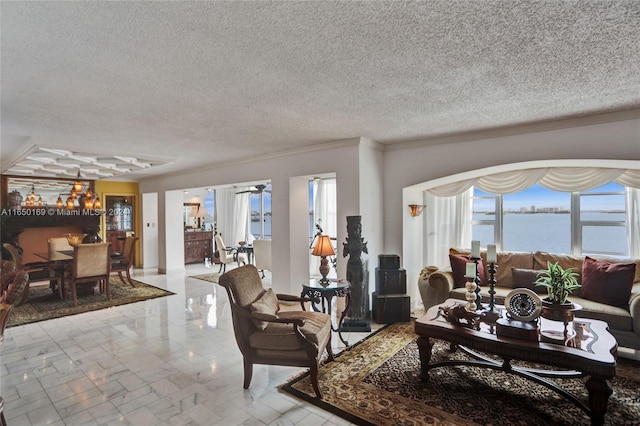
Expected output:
(523, 304)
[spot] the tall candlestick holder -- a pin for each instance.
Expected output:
(470, 295)
(479, 306)
(491, 315)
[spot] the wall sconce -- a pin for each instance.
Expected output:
(416, 209)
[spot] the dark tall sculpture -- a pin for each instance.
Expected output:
(356, 275)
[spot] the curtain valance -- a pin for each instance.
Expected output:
(565, 179)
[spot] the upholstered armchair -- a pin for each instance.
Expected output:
(267, 335)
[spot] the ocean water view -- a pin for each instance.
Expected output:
(551, 232)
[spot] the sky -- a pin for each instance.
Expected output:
(542, 197)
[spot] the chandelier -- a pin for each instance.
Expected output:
(30, 200)
(87, 200)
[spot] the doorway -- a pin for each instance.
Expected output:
(119, 220)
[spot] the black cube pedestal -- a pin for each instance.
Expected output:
(355, 325)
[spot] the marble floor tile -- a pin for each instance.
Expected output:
(166, 361)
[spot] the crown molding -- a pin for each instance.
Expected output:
(26, 148)
(519, 129)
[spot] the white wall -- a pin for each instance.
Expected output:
(371, 183)
(404, 168)
(371, 205)
(150, 230)
(340, 157)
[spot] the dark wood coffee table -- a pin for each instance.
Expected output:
(591, 354)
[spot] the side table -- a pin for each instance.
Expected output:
(337, 288)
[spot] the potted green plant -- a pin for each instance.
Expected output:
(559, 283)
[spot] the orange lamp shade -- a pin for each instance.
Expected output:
(323, 247)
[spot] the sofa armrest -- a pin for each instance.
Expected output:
(437, 288)
(634, 308)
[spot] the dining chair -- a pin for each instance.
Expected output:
(56, 269)
(267, 335)
(228, 254)
(91, 263)
(35, 270)
(262, 255)
(124, 262)
(58, 244)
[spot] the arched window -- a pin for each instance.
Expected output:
(490, 206)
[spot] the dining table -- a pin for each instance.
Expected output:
(245, 248)
(58, 261)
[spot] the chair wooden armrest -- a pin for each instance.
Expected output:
(293, 298)
(274, 318)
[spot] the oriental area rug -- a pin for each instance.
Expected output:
(376, 382)
(43, 304)
(212, 277)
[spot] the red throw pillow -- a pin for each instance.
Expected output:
(459, 268)
(608, 283)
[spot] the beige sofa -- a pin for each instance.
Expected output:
(519, 269)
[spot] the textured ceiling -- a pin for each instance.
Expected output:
(196, 83)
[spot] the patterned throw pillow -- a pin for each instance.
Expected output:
(608, 283)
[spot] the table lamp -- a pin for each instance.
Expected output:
(323, 248)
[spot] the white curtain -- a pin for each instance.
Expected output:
(448, 224)
(232, 210)
(566, 179)
(325, 213)
(633, 219)
(242, 219)
(446, 228)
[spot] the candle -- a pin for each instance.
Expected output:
(491, 254)
(471, 270)
(475, 249)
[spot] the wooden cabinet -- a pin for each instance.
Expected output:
(197, 246)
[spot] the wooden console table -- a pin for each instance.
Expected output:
(197, 246)
(593, 357)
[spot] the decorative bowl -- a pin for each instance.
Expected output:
(75, 239)
(242, 243)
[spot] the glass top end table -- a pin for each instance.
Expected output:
(326, 292)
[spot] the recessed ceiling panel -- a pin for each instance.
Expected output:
(58, 163)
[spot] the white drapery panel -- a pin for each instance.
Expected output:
(448, 224)
(452, 188)
(571, 179)
(241, 214)
(325, 213)
(565, 179)
(232, 210)
(514, 181)
(225, 199)
(633, 221)
(630, 179)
